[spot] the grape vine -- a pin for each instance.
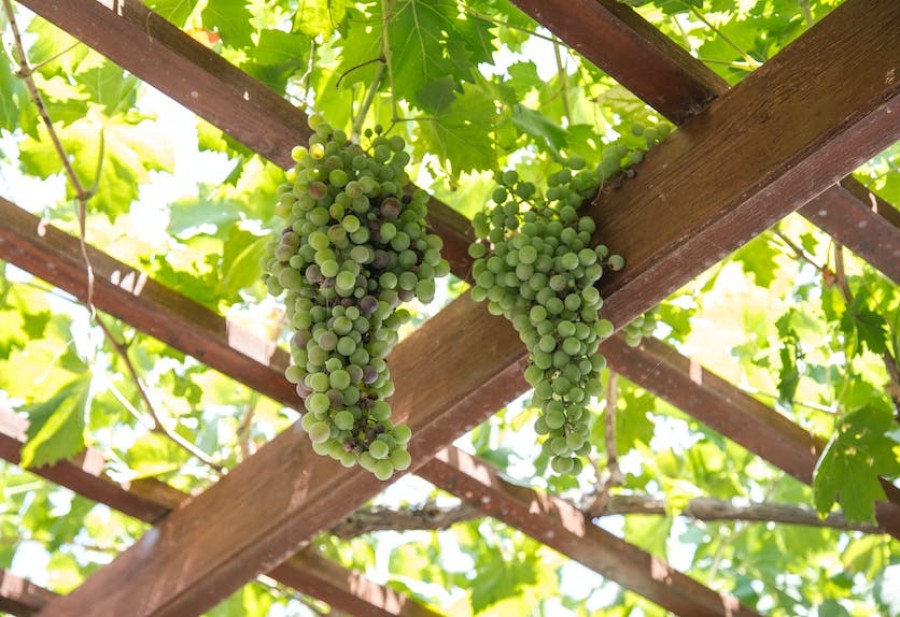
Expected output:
(535, 265)
(354, 247)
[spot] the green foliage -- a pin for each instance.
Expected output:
(779, 327)
(863, 448)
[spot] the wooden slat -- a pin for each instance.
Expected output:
(849, 126)
(727, 410)
(160, 54)
(612, 36)
(132, 296)
(862, 222)
(150, 500)
(763, 149)
(20, 597)
(563, 527)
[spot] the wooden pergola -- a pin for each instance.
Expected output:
(742, 159)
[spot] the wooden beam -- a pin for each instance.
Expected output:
(762, 150)
(149, 500)
(185, 569)
(160, 54)
(20, 597)
(637, 55)
(129, 294)
(862, 222)
(567, 529)
(615, 38)
(727, 410)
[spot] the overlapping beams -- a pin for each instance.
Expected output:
(755, 180)
(591, 547)
(654, 68)
(150, 500)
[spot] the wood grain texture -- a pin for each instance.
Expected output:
(20, 597)
(150, 500)
(132, 296)
(155, 51)
(760, 151)
(563, 527)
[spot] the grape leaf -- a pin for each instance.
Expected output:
(16, 109)
(319, 17)
(863, 327)
(858, 453)
(460, 136)
(127, 148)
(56, 426)
(499, 578)
(231, 19)
(757, 257)
(548, 134)
(176, 11)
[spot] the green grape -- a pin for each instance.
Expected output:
(535, 265)
(352, 248)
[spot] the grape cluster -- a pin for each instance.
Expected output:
(535, 265)
(354, 247)
(637, 329)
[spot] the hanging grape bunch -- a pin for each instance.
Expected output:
(536, 267)
(353, 248)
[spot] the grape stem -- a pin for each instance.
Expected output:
(360, 118)
(613, 476)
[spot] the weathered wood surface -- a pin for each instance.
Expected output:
(149, 500)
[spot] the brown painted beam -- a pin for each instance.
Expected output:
(862, 222)
(766, 147)
(612, 36)
(563, 527)
(185, 570)
(729, 411)
(160, 54)
(150, 500)
(20, 597)
(615, 38)
(133, 297)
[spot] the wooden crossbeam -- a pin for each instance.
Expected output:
(861, 221)
(149, 500)
(158, 497)
(727, 410)
(561, 526)
(20, 597)
(145, 44)
(862, 122)
(615, 38)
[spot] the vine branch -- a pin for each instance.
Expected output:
(81, 195)
(158, 425)
(613, 476)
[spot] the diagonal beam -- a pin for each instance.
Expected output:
(150, 500)
(615, 38)
(861, 221)
(160, 54)
(612, 36)
(20, 597)
(563, 527)
(729, 411)
(850, 126)
(159, 498)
